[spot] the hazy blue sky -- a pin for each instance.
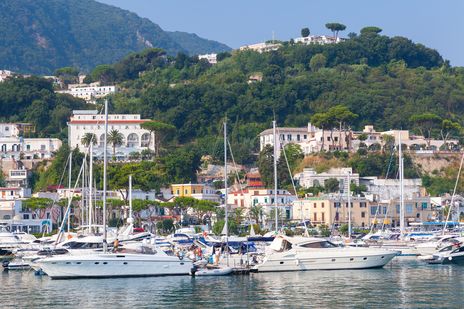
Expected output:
(435, 23)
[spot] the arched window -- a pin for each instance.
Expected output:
(132, 140)
(145, 139)
(102, 140)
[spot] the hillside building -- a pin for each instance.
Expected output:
(135, 139)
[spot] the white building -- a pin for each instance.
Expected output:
(248, 198)
(311, 139)
(262, 47)
(411, 141)
(135, 139)
(310, 178)
(386, 189)
(284, 136)
(14, 146)
(318, 39)
(89, 92)
(4, 74)
(211, 58)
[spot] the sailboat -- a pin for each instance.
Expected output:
(144, 259)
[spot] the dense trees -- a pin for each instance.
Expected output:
(159, 131)
(33, 99)
(305, 32)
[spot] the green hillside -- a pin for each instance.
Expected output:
(39, 36)
(383, 80)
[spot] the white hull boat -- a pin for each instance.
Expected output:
(111, 265)
(220, 271)
(299, 254)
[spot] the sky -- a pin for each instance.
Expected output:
(436, 24)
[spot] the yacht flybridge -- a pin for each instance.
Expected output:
(304, 253)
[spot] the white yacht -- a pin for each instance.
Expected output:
(437, 243)
(302, 253)
(150, 262)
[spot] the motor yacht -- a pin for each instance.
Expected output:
(451, 254)
(437, 243)
(147, 261)
(303, 253)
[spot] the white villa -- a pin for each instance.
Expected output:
(312, 139)
(261, 47)
(310, 178)
(318, 39)
(13, 146)
(135, 138)
(211, 58)
(89, 92)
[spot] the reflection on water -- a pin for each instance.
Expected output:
(401, 284)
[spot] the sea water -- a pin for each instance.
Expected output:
(400, 284)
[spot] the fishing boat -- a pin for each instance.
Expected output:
(305, 253)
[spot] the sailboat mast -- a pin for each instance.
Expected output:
(105, 159)
(69, 183)
(225, 182)
(401, 175)
(90, 186)
(275, 175)
(349, 204)
(130, 198)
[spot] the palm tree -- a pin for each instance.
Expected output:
(115, 138)
(89, 138)
(255, 213)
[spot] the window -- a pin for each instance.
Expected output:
(373, 210)
(319, 244)
(363, 214)
(26, 216)
(305, 136)
(323, 216)
(409, 209)
(298, 137)
(322, 206)
(424, 205)
(315, 205)
(178, 192)
(328, 138)
(315, 216)
(362, 205)
(336, 138)
(289, 137)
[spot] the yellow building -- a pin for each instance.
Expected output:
(330, 210)
(198, 191)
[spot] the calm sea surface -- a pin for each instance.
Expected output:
(401, 284)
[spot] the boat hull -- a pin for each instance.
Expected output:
(113, 265)
(334, 262)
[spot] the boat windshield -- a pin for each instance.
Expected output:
(319, 244)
